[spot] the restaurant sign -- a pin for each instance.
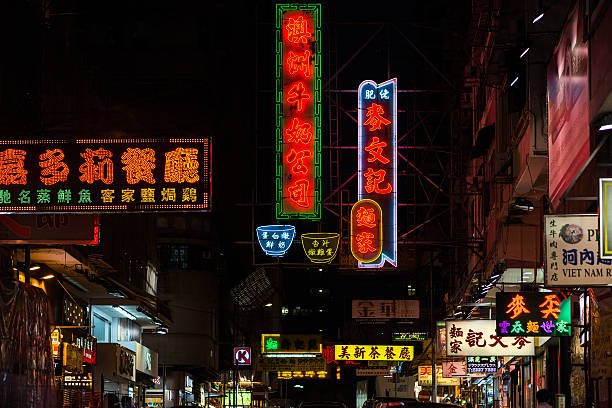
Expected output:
(485, 364)
(385, 309)
(410, 336)
(454, 369)
(571, 243)
(292, 364)
(533, 314)
(376, 353)
(479, 338)
(425, 377)
(94, 175)
(291, 343)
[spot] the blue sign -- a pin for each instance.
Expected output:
(275, 240)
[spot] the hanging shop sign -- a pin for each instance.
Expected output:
(479, 338)
(385, 309)
(72, 359)
(291, 344)
(146, 360)
(485, 364)
(298, 111)
(377, 352)
(242, 398)
(320, 247)
(571, 246)
(56, 341)
(425, 377)
(287, 375)
(292, 364)
(383, 363)
(377, 165)
(454, 369)
(533, 314)
(366, 231)
(56, 229)
(77, 381)
(275, 240)
(94, 175)
(605, 223)
(89, 345)
(409, 336)
(126, 363)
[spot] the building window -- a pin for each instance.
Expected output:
(102, 329)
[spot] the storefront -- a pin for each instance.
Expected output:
(115, 373)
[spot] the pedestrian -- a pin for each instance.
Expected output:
(543, 398)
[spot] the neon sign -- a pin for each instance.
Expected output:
(298, 111)
(374, 353)
(533, 314)
(366, 231)
(96, 175)
(377, 176)
(275, 240)
(320, 247)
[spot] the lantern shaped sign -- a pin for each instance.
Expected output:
(320, 247)
(366, 230)
(275, 240)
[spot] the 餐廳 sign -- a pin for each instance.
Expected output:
(533, 314)
(94, 175)
(571, 244)
(374, 353)
(479, 338)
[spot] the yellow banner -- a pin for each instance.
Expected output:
(374, 353)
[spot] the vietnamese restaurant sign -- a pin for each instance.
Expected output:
(572, 251)
(479, 338)
(95, 175)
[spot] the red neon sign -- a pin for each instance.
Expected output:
(298, 104)
(366, 230)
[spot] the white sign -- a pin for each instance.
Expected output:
(385, 309)
(372, 372)
(478, 338)
(454, 369)
(571, 246)
(242, 355)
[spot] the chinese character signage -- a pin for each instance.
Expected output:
(288, 375)
(372, 372)
(377, 167)
(425, 378)
(479, 338)
(292, 364)
(298, 111)
(329, 355)
(291, 343)
(478, 365)
(410, 336)
(385, 309)
(366, 231)
(275, 240)
(60, 228)
(533, 314)
(571, 245)
(95, 175)
(454, 369)
(374, 353)
(605, 223)
(320, 247)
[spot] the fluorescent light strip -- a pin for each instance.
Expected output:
(538, 18)
(290, 355)
(125, 312)
(606, 127)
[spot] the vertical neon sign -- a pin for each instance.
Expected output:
(298, 111)
(377, 147)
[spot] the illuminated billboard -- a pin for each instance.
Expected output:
(479, 338)
(533, 314)
(374, 353)
(366, 231)
(97, 175)
(298, 111)
(377, 162)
